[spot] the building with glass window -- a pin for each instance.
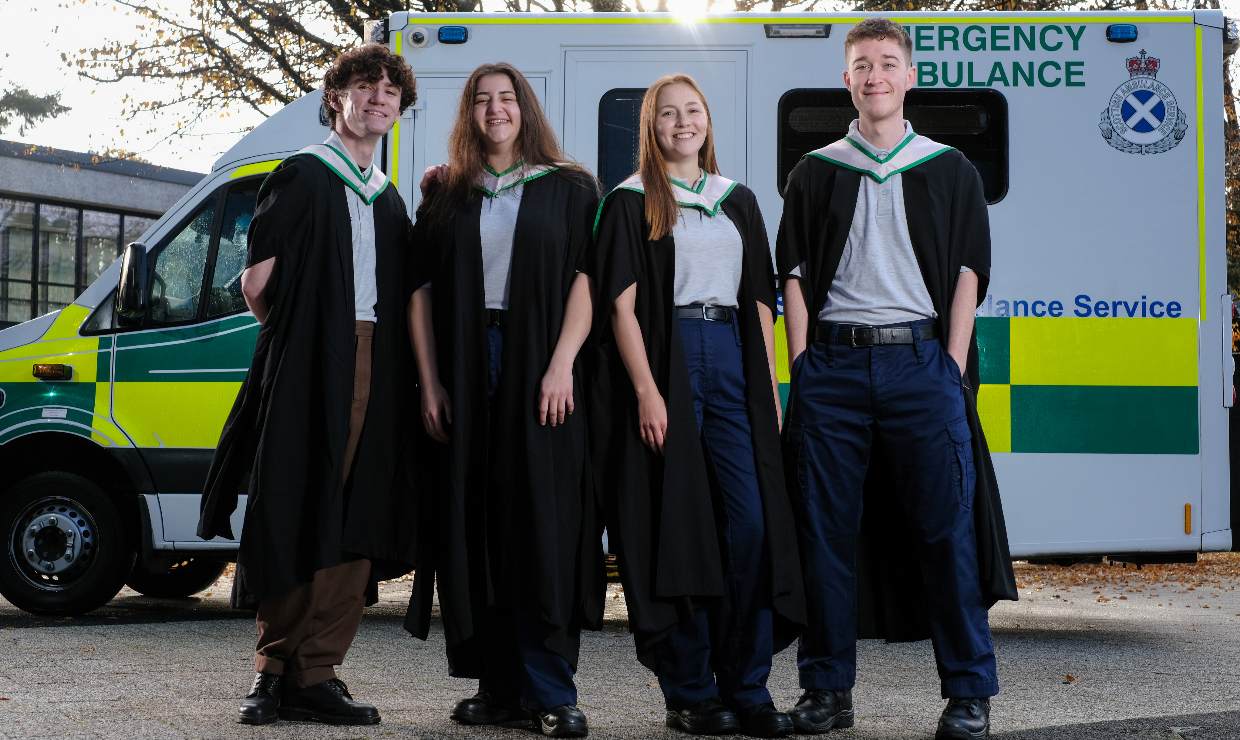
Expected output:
(64, 216)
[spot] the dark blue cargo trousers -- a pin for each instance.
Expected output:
(724, 652)
(909, 398)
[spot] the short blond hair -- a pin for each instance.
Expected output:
(879, 29)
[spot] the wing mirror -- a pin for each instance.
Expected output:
(134, 288)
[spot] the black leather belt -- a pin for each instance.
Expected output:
(708, 313)
(854, 335)
(496, 316)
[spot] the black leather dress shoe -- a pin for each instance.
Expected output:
(484, 708)
(820, 710)
(708, 717)
(328, 702)
(964, 719)
(562, 721)
(262, 705)
(764, 720)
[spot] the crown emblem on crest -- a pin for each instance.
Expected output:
(1143, 66)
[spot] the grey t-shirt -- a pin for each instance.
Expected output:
(365, 290)
(708, 259)
(878, 281)
(496, 227)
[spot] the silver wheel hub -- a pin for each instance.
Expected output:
(52, 541)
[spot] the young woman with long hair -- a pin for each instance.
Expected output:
(499, 313)
(686, 424)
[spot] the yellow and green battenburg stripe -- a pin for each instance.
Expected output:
(80, 406)
(194, 371)
(1082, 385)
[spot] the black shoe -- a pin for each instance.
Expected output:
(708, 717)
(562, 721)
(820, 710)
(764, 720)
(484, 709)
(262, 705)
(964, 719)
(329, 702)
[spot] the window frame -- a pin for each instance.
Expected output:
(208, 273)
(37, 293)
(220, 195)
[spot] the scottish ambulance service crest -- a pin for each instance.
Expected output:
(1142, 116)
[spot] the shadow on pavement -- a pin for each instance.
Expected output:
(1216, 726)
(131, 610)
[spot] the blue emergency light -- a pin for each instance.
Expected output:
(1122, 33)
(453, 34)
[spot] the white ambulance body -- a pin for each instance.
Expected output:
(1105, 337)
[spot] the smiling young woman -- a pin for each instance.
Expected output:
(498, 316)
(687, 430)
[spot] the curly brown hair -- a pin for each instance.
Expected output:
(369, 62)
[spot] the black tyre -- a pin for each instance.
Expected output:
(66, 550)
(185, 577)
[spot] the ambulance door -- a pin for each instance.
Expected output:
(176, 375)
(603, 90)
(433, 118)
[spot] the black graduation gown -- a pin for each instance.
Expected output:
(514, 520)
(284, 440)
(949, 227)
(660, 509)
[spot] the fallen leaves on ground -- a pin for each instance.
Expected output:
(1212, 574)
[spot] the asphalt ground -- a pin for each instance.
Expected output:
(1101, 651)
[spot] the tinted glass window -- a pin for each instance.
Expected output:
(16, 255)
(58, 232)
(176, 280)
(618, 113)
(973, 121)
(101, 234)
(224, 295)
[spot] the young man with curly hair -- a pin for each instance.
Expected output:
(314, 436)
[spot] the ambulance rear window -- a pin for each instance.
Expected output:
(618, 114)
(973, 121)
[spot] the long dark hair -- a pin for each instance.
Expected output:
(536, 143)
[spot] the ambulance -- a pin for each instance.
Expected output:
(1106, 372)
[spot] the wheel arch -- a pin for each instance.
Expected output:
(120, 472)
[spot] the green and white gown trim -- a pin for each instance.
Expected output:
(368, 185)
(853, 155)
(492, 183)
(707, 196)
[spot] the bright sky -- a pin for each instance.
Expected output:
(33, 36)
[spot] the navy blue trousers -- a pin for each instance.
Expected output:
(518, 666)
(909, 398)
(724, 652)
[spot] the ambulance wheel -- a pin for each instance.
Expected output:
(185, 577)
(65, 548)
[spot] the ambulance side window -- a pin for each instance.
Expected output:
(176, 279)
(975, 121)
(618, 113)
(224, 291)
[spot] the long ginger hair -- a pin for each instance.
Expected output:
(536, 143)
(661, 208)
